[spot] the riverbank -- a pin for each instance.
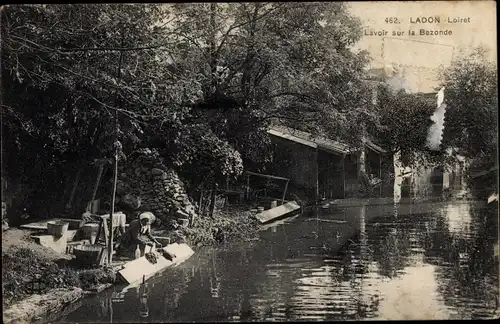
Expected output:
(62, 282)
(27, 265)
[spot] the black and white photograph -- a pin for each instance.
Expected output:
(168, 162)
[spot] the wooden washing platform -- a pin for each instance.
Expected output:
(133, 272)
(280, 222)
(288, 209)
(42, 225)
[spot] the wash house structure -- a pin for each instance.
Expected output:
(319, 167)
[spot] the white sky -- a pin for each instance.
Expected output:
(424, 55)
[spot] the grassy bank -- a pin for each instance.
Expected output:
(236, 222)
(24, 261)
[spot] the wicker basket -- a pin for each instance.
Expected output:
(88, 254)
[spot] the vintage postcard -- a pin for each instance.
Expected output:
(249, 161)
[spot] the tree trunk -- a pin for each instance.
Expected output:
(362, 162)
(247, 67)
(98, 180)
(200, 204)
(81, 165)
(213, 58)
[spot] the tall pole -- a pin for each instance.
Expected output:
(115, 166)
(343, 175)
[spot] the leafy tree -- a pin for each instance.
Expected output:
(274, 61)
(404, 121)
(471, 118)
(471, 92)
(63, 85)
(201, 82)
(75, 50)
(205, 158)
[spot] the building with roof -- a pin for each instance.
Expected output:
(319, 167)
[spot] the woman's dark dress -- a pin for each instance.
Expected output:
(132, 237)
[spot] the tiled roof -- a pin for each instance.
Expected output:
(310, 140)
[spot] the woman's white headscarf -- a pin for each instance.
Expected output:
(151, 218)
(147, 215)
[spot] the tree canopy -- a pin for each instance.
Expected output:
(471, 118)
(162, 69)
(404, 121)
(471, 94)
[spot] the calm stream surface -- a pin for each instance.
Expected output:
(410, 261)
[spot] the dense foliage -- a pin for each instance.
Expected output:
(63, 87)
(471, 119)
(187, 79)
(471, 92)
(201, 83)
(263, 62)
(404, 120)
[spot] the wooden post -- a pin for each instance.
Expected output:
(115, 171)
(248, 187)
(110, 312)
(343, 174)
(284, 192)
(200, 205)
(113, 198)
(380, 172)
(212, 200)
(316, 180)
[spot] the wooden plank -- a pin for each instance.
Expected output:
(278, 212)
(265, 227)
(135, 270)
(266, 176)
(42, 225)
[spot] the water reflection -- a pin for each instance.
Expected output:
(390, 262)
(143, 297)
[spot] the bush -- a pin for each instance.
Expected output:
(235, 224)
(24, 265)
(95, 277)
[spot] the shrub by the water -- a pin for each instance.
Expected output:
(22, 266)
(95, 277)
(235, 224)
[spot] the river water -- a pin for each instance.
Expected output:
(407, 261)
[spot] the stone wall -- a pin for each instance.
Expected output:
(144, 180)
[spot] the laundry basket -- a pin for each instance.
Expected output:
(88, 254)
